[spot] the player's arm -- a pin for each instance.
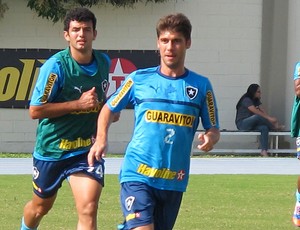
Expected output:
(213, 134)
(210, 121)
(88, 100)
(99, 148)
(110, 113)
(48, 85)
(297, 87)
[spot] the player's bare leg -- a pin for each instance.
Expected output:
(147, 227)
(86, 192)
(35, 209)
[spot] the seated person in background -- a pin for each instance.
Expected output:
(251, 116)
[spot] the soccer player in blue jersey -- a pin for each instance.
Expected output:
(295, 132)
(169, 101)
(68, 96)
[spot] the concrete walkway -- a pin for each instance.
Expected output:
(234, 165)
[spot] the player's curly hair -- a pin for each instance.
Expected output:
(79, 14)
(176, 22)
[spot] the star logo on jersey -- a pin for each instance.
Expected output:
(180, 175)
(170, 89)
(191, 92)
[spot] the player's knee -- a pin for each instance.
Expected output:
(89, 209)
(42, 211)
(38, 211)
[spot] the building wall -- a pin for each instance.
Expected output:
(229, 40)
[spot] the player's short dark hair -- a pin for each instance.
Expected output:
(81, 15)
(177, 22)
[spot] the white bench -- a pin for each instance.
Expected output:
(274, 147)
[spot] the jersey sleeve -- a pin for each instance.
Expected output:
(209, 111)
(48, 84)
(297, 71)
(123, 96)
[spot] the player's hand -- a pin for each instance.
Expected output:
(205, 143)
(97, 151)
(88, 99)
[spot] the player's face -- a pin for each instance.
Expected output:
(80, 35)
(172, 47)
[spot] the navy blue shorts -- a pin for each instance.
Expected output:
(49, 175)
(143, 205)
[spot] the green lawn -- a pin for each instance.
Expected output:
(212, 202)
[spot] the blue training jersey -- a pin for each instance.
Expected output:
(62, 79)
(167, 112)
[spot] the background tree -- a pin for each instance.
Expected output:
(3, 8)
(55, 10)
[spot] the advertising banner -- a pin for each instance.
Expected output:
(19, 69)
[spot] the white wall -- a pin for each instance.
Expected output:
(226, 47)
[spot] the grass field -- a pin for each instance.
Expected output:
(212, 202)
